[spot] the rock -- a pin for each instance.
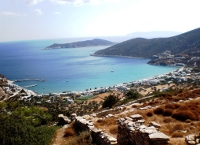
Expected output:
(136, 117)
(193, 139)
(156, 125)
(158, 135)
(145, 108)
(190, 137)
(73, 116)
(150, 130)
(109, 115)
(93, 114)
(62, 120)
(191, 142)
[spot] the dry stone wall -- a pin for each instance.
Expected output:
(193, 139)
(132, 131)
(98, 136)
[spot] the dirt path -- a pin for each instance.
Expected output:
(59, 139)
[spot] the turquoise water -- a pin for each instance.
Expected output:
(70, 69)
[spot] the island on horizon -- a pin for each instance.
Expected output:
(78, 44)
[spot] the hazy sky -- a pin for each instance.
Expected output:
(44, 19)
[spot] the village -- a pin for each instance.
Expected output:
(145, 87)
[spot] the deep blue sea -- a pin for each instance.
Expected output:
(71, 69)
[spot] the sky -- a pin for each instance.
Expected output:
(49, 19)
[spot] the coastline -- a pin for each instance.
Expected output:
(123, 85)
(122, 56)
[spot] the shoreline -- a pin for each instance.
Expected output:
(119, 56)
(89, 90)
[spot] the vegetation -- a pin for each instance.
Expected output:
(110, 101)
(132, 94)
(84, 138)
(24, 125)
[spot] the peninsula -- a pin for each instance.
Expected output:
(181, 49)
(86, 43)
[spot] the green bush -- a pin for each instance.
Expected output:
(18, 131)
(110, 101)
(132, 94)
(25, 125)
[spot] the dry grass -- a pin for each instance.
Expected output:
(105, 123)
(84, 138)
(113, 129)
(177, 141)
(177, 119)
(69, 132)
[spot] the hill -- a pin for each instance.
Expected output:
(87, 43)
(140, 47)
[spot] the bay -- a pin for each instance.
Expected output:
(71, 69)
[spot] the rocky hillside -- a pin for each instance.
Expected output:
(140, 47)
(87, 43)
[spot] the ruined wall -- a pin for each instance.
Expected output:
(131, 131)
(98, 136)
(193, 139)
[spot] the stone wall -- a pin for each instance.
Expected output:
(132, 131)
(98, 136)
(193, 139)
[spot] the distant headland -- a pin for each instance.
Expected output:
(86, 43)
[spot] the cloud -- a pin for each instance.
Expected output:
(76, 2)
(112, 1)
(38, 12)
(57, 13)
(6, 13)
(33, 2)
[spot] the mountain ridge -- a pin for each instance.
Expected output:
(141, 47)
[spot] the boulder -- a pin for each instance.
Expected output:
(62, 120)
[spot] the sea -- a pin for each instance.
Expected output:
(69, 69)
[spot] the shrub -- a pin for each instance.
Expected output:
(184, 115)
(177, 127)
(177, 134)
(149, 114)
(167, 112)
(183, 107)
(110, 101)
(167, 120)
(158, 110)
(132, 94)
(170, 106)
